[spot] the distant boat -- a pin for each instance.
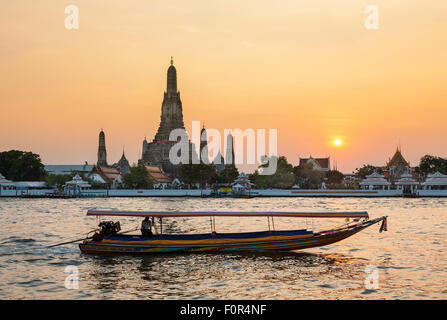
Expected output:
(245, 195)
(48, 195)
(108, 240)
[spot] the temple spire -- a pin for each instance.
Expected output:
(204, 156)
(102, 153)
(172, 79)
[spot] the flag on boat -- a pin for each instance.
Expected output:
(384, 226)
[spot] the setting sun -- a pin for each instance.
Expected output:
(337, 142)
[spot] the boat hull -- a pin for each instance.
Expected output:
(257, 241)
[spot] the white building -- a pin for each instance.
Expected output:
(407, 183)
(6, 184)
(435, 181)
(76, 185)
(375, 181)
(241, 183)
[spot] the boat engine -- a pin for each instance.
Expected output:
(107, 228)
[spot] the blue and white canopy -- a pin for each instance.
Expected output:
(173, 214)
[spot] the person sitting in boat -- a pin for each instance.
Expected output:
(146, 227)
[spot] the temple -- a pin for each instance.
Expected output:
(407, 183)
(204, 155)
(123, 165)
(102, 153)
(218, 162)
(229, 152)
(435, 181)
(158, 177)
(107, 175)
(76, 185)
(397, 166)
(6, 184)
(375, 181)
(104, 173)
(156, 153)
(171, 109)
(320, 164)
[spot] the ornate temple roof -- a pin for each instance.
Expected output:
(397, 160)
(407, 179)
(322, 163)
(157, 174)
(375, 179)
(242, 181)
(77, 181)
(107, 173)
(436, 179)
(123, 159)
(122, 165)
(6, 183)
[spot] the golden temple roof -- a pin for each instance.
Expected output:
(397, 160)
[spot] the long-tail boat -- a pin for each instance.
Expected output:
(108, 240)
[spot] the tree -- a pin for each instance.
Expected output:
(282, 178)
(197, 173)
(21, 166)
(334, 177)
(366, 170)
(138, 178)
(57, 180)
(228, 174)
(430, 164)
(306, 177)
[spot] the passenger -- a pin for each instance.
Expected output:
(146, 227)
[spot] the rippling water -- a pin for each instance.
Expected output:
(410, 257)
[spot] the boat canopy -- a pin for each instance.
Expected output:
(172, 214)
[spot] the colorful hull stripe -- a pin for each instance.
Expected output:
(260, 241)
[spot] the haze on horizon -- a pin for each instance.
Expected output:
(307, 68)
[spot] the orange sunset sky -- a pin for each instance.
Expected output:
(307, 68)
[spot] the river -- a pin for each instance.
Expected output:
(409, 261)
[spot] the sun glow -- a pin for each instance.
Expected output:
(337, 142)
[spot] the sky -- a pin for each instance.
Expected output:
(309, 69)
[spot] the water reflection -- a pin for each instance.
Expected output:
(104, 271)
(410, 256)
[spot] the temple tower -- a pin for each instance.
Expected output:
(229, 152)
(171, 108)
(102, 153)
(204, 156)
(156, 152)
(123, 164)
(144, 147)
